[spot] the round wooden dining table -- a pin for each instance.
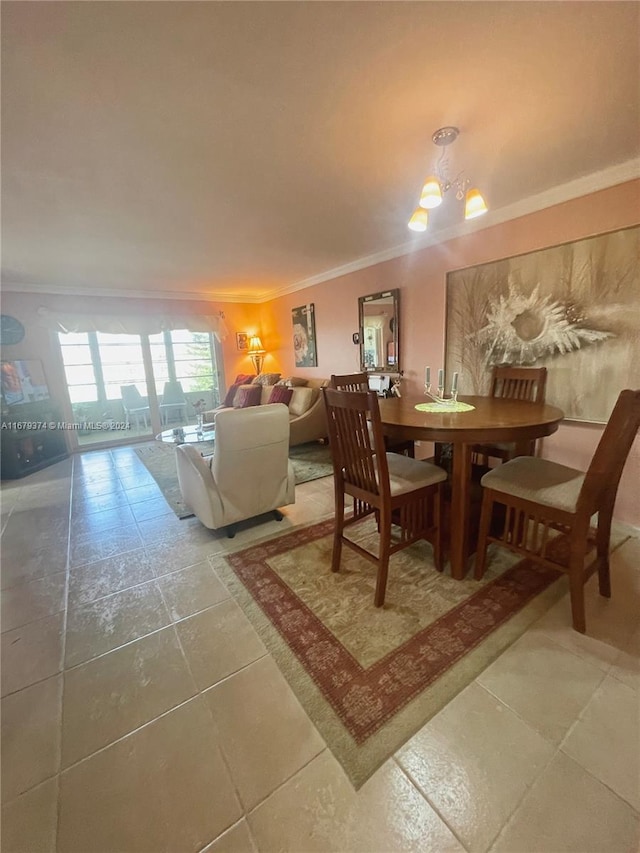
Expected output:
(492, 420)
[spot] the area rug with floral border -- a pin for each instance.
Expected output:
(369, 677)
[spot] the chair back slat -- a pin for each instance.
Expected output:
(360, 382)
(602, 479)
(519, 383)
(356, 439)
(350, 382)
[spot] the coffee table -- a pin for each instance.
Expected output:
(189, 434)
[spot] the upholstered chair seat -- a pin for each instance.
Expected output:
(405, 474)
(539, 480)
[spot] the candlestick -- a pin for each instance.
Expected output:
(439, 398)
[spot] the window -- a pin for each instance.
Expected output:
(98, 364)
(186, 357)
(193, 361)
(78, 367)
(121, 363)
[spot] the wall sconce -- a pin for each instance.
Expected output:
(256, 353)
(435, 186)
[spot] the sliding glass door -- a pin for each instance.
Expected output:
(132, 386)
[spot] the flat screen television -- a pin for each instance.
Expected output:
(23, 381)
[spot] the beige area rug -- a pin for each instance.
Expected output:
(370, 678)
(310, 462)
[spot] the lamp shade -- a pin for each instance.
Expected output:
(419, 220)
(431, 195)
(255, 345)
(474, 205)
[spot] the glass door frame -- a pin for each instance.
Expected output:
(121, 438)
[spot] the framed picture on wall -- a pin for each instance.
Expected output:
(304, 336)
(571, 308)
(242, 340)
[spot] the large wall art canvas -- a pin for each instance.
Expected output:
(304, 336)
(574, 309)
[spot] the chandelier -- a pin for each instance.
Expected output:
(436, 186)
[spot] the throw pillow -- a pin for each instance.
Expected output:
(266, 379)
(248, 396)
(302, 400)
(280, 394)
(241, 379)
(231, 393)
(293, 382)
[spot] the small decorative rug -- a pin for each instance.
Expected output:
(310, 462)
(370, 677)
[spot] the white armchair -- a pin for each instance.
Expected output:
(249, 472)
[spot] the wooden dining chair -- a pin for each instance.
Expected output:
(350, 382)
(400, 491)
(360, 382)
(539, 496)
(513, 383)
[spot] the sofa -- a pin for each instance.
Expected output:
(307, 418)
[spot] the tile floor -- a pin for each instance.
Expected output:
(141, 712)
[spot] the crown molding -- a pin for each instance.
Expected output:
(9, 286)
(585, 185)
(604, 179)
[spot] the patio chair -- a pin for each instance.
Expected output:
(133, 404)
(173, 400)
(398, 490)
(538, 496)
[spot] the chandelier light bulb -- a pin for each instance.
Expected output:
(431, 195)
(419, 220)
(474, 205)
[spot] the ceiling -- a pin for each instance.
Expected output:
(240, 150)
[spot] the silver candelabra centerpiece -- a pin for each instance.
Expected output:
(439, 397)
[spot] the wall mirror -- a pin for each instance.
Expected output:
(379, 315)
